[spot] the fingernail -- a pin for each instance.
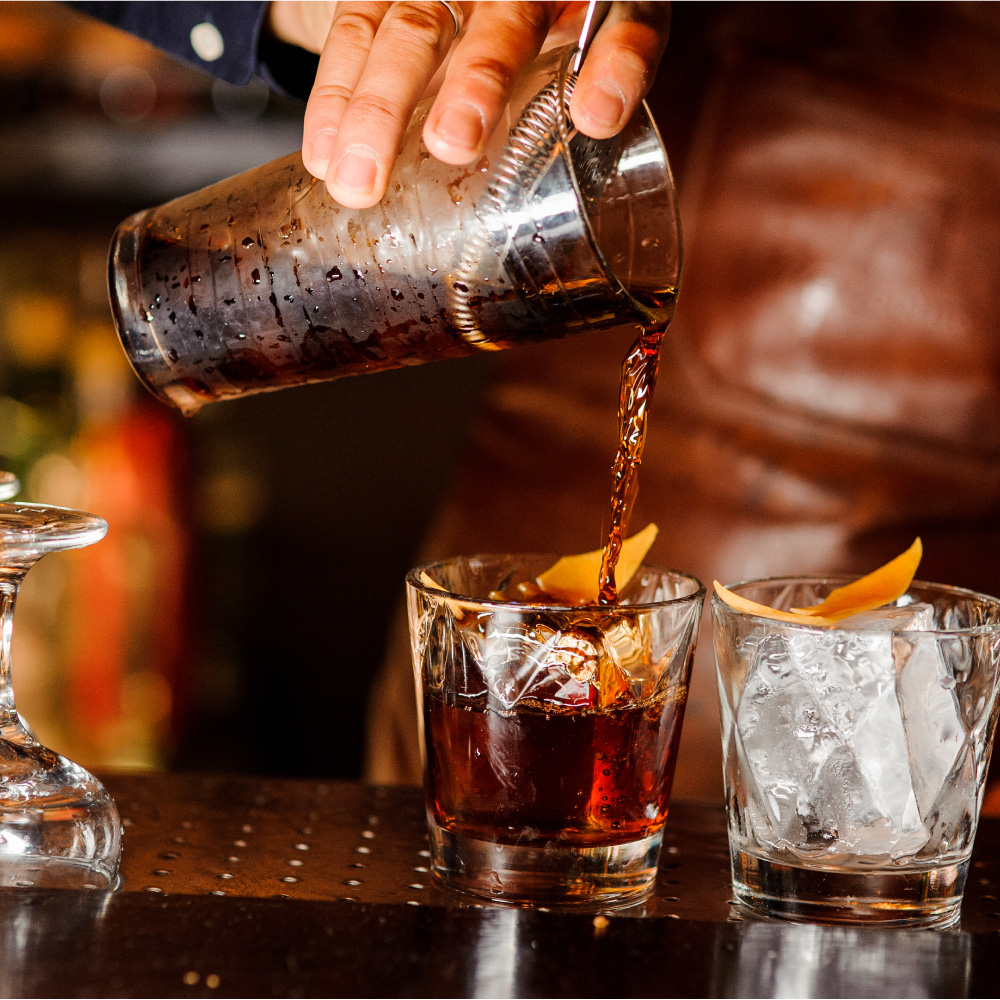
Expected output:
(357, 170)
(322, 150)
(460, 125)
(604, 104)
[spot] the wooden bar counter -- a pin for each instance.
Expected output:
(236, 886)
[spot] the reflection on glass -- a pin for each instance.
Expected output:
(495, 969)
(811, 960)
(29, 926)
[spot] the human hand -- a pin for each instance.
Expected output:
(377, 60)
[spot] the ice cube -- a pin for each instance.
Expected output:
(529, 660)
(925, 687)
(567, 667)
(627, 660)
(908, 618)
(951, 817)
(932, 717)
(822, 732)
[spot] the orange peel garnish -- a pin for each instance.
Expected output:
(882, 586)
(577, 576)
(874, 590)
(763, 611)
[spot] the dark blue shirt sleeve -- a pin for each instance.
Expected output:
(248, 50)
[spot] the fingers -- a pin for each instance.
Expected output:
(341, 63)
(619, 68)
(374, 66)
(378, 58)
(499, 41)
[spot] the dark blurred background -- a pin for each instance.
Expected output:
(235, 615)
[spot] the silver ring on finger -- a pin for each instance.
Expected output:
(457, 17)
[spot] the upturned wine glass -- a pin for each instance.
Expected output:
(59, 827)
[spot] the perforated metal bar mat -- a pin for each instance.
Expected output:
(315, 840)
(298, 839)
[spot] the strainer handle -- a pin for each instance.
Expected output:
(596, 13)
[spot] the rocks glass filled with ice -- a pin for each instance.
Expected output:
(856, 753)
(549, 730)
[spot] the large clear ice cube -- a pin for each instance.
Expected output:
(932, 716)
(569, 667)
(907, 618)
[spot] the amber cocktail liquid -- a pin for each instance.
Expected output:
(607, 780)
(549, 732)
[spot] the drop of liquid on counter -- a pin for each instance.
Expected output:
(247, 243)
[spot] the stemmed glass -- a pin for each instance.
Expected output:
(59, 827)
